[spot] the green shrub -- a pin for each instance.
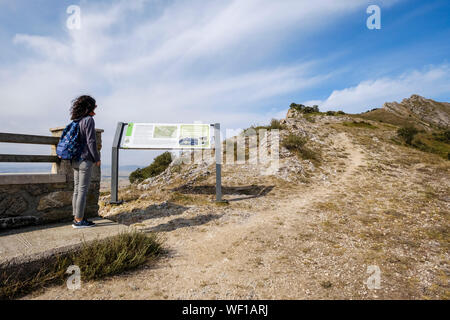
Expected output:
(340, 112)
(433, 142)
(96, 259)
(304, 109)
(297, 144)
(296, 106)
(274, 124)
(370, 110)
(331, 113)
(407, 134)
(116, 254)
(359, 124)
(159, 164)
(136, 175)
(419, 144)
(443, 136)
(308, 109)
(294, 142)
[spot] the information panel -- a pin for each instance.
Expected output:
(166, 136)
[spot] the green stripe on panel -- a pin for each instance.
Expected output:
(129, 129)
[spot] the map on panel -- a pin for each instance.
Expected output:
(166, 136)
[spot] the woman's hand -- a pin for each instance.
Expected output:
(98, 163)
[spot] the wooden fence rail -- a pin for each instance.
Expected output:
(28, 139)
(27, 158)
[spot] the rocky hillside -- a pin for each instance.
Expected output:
(416, 110)
(345, 196)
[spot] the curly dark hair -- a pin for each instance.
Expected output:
(82, 106)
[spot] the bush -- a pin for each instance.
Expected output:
(446, 135)
(359, 124)
(136, 175)
(308, 109)
(296, 106)
(160, 163)
(331, 113)
(116, 254)
(407, 134)
(293, 142)
(443, 136)
(340, 112)
(96, 259)
(304, 109)
(297, 145)
(274, 124)
(370, 110)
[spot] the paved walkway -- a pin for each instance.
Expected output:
(32, 243)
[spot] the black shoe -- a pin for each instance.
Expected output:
(83, 224)
(89, 222)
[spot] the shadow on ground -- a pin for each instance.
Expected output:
(49, 226)
(154, 211)
(183, 223)
(252, 191)
(165, 209)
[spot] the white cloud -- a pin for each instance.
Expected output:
(161, 61)
(372, 93)
(46, 46)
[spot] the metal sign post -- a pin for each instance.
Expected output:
(115, 161)
(217, 146)
(115, 164)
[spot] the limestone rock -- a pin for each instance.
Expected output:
(425, 111)
(12, 205)
(55, 200)
(292, 113)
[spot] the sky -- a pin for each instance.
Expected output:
(238, 62)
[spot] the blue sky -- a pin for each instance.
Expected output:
(234, 62)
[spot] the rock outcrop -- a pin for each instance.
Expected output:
(427, 112)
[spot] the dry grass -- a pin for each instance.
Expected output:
(359, 124)
(298, 145)
(97, 259)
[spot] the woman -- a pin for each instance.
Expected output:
(82, 111)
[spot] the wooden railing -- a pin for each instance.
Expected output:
(28, 139)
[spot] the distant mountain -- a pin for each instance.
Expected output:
(123, 167)
(124, 171)
(416, 111)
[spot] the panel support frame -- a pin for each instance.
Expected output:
(115, 162)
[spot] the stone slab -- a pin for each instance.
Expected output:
(30, 244)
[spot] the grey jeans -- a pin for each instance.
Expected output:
(82, 172)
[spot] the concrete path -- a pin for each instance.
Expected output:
(33, 243)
